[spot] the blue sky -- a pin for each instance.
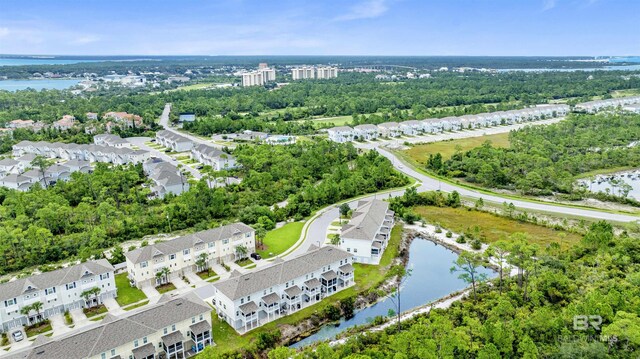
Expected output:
(320, 27)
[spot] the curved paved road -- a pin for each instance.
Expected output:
(430, 184)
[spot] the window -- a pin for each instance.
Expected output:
(186, 251)
(144, 340)
(172, 257)
(247, 235)
(10, 302)
(71, 285)
(135, 343)
(193, 320)
(144, 264)
(173, 327)
(349, 250)
(113, 352)
(201, 317)
(225, 241)
(210, 244)
(104, 276)
(355, 250)
(165, 331)
(51, 290)
(241, 300)
(103, 355)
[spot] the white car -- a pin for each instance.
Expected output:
(17, 336)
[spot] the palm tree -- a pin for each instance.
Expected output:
(162, 276)
(241, 251)
(37, 306)
(26, 310)
(42, 164)
(202, 262)
(90, 293)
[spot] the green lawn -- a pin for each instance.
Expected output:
(167, 287)
(206, 274)
(420, 153)
(93, 311)
(126, 293)
(138, 305)
(493, 227)
(244, 262)
(281, 239)
(42, 327)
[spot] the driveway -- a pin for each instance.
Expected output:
(58, 325)
(113, 306)
(150, 292)
(79, 319)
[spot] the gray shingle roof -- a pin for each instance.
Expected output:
(293, 291)
(312, 283)
(329, 275)
(271, 298)
(172, 338)
(54, 278)
(200, 327)
(178, 244)
(366, 220)
(250, 307)
(278, 273)
(144, 351)
(347, 268)
(110, 335)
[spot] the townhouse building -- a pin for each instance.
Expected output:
(65, 123)
(249, 300)
(174, 141)
(167, 178)
(411, 127)
(366, 235)
(107, 139)
(172, 329)
(180, 255)
(389, 129)
(366, 132)
(341, 134)
(71, 151)
(124, 119)
(58, 291)
(211, 156)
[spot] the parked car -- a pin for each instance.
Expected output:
(17, 336)
(255, 256)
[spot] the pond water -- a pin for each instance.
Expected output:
(39, 61)
(15, 85)
(430, 280)
(615, 184)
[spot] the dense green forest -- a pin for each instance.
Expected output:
(545, 159)
(231, 109)
(524, 317)
(91, 212)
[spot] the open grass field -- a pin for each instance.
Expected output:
(420, 153)
(281, 239)
(126, 293)
(366, 276)
(493, 227)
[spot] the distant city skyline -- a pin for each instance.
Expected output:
(332, 27)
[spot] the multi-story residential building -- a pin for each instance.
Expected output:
(211, 156)
(65, 123)
(366, 132)
(253, 78)
(389, 129)
(367, 233)
(246, 301)
(303, 73)
(167, 178)
(173, 141)
(411, 127)
(268, 74)
(341, 134)
(91, 153)
(106, 139)
(58, 291)
(595, 106)
(180, 255)
(326, 72)
(172, 329)
(91, 116)
(125, 119)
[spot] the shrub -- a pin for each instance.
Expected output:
(438, 230)
(476, 244)
(331, 312)
(449, 234)
(268, 340)
(461, 239)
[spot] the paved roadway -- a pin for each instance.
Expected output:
(164, 122)
(140, 143)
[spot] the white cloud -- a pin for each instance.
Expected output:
(548, 4)
(85, 39)
(367, 9)
(4, 31)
